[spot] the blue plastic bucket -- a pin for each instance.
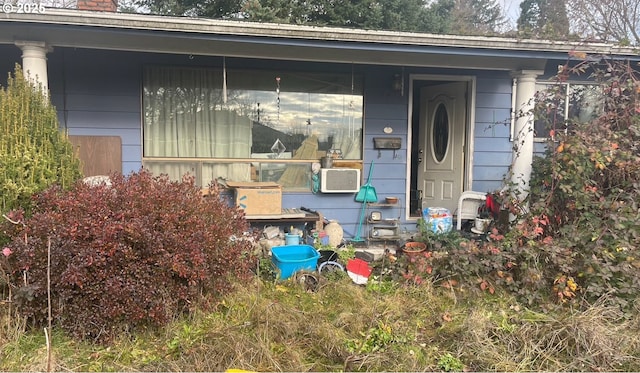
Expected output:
(292, 239)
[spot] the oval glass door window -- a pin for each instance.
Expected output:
(440, 132)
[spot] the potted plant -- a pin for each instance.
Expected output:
(412, 248)
(483, 220)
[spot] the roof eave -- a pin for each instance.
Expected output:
(142, 32)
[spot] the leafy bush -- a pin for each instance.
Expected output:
(34, 153)
(455, 261)
(127, 256)
(585, 221)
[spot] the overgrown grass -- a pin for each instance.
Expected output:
(278, 326)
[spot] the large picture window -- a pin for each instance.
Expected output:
(559, 104)
(256, 126)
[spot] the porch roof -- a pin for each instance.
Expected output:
(199, 36)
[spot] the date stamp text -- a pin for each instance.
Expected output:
(31, 8)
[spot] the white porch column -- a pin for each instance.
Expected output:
(34, 62)
(523, 131)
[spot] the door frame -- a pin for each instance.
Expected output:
(469, 138)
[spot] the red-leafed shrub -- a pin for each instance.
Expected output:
(125, 256)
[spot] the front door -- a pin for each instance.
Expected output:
(441, 134)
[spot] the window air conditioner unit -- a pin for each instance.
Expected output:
(339, 180)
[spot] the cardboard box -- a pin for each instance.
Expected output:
(264, 198)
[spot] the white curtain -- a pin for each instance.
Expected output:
(186, 118)
(346, 142)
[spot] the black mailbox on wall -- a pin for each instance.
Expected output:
(393, 143)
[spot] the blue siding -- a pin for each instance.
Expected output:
(386, 108)
(492, 147)
(485, 144)
(107, 103)
(99, 93)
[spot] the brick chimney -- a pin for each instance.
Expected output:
(98, 5)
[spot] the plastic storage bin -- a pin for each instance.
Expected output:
(289, 259)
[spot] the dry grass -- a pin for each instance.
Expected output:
(599, 338)
(282, 327)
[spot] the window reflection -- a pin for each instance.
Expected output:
(557, 105)
(277, 117)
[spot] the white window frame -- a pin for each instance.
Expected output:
(567, 86)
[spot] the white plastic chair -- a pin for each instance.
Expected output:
(468, 205)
